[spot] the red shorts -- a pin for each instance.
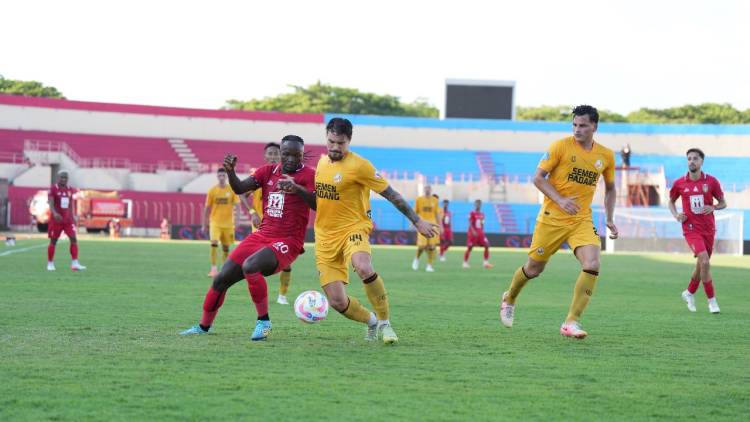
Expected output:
(446, 235)
(55, 228)
(700, 242)
(286, 251)
(479, 240)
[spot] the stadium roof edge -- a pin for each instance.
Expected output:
(537, 126)
(54, 103)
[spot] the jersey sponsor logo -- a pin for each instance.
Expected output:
(326, 191)
(377, 175)
(573, 159)
(598, 164)
(221, 201)
(696, 203)
(337, 178)
(583, 176)
(686, 189)
(275, 206)
(280, 246)
(695, 188)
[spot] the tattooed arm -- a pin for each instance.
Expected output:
(425, 228)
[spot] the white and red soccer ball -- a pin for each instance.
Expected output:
(311, 306)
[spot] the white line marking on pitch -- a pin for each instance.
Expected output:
(12, 251)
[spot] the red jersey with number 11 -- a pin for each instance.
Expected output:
(695, 195)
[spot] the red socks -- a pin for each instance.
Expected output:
(50, 252)
(708, 287)
(212, 303)
(486, 253)
(258, 292)
(693, 286)
(73, 250)
(466, 254)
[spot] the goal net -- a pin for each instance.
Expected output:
(655, 230)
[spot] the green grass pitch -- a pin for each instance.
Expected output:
(103, 344)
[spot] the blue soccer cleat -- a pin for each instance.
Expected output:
(261, 331)
(196, 329)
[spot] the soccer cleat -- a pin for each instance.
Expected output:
(442, 258)
(372, 332)
(415, 264)
(50, 266)
(507, 311)
(466, 265)
(713, 306)
(429, 268)
(487, 265)
(573, 329)
(282, 300)
(389, 336)
(76, 266)
(213, 272)
(689, 300)
(196, 329)
(261, 331)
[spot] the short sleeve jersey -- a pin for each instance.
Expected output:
(476, 220)
(62, 200)
(426, 208)
(222, 201)
(446, 219)
(343, 190)
(285, 215)
(695, 195)
(574, 172)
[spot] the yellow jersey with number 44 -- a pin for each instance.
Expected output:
(343, 195)
(574, 172)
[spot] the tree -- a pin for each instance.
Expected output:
(325, 98)
(561, 114)
(28, 88)
(707, 113)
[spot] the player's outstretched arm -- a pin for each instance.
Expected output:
(238, 186)
(425, 228)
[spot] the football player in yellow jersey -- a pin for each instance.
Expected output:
(567, 175)
(427, 208)
(343, 181)
(219, 212)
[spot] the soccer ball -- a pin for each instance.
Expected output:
(311, 307)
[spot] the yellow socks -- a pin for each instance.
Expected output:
(430, 256)
(213, 254)
(356, 312)
(582, 294)
(286, 278)
(375, 289)
(519, 280)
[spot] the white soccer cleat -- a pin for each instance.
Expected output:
(50, 266)
(76, 266)
(281, 300)
(415, 264)
(507, 311)
(442, 258)
(573, 329)
(389, 336)
(713, 306)
(689, 300)
(429, 268)
(465, 265)
(372, 332)
(487, 265)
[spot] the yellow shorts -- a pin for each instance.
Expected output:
(223, 235)
(333, 256)
(548, 238)
(423, 242)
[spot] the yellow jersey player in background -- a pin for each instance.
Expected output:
(219, 211)
(567, 175)
(271, 155)
(343, 181)
(428, 209)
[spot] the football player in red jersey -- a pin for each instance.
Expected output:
(446, 236)
(60, 198)
(698, 191)
(475, 235)
(288, 195)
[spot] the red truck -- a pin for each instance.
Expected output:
(94, 210)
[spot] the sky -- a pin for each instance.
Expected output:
(618, 55)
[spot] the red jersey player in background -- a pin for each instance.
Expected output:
(60, 198)
(446, 235)
(475, 235)
(698, 191)
(288, 195)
